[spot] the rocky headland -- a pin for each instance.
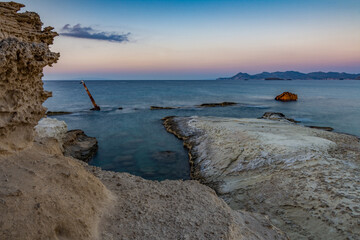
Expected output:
(46, 195)
(306, 180)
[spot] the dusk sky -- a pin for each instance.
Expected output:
(200, 39)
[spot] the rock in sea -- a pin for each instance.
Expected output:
(160, 108)
(286, 97)
(80, 146)
(222, 104)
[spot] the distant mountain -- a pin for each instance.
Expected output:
(293, 75)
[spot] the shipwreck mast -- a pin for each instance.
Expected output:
(96, 107)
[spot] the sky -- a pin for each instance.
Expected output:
(184, 39)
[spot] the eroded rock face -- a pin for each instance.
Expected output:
(306, 180)
(24, 52)
(80, 146)
(43, 195)
(286, 97)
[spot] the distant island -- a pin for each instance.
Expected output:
(293, 75)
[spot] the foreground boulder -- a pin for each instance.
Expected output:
(306, 180)
(286, 97)
(78, 145)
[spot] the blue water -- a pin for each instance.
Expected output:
(134, 140)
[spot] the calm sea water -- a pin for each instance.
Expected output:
(134, 140)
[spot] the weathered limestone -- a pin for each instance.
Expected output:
(24, 52)
(306, 180)
(51, 128)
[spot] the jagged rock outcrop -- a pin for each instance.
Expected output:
(80, 146)
(277, 116)
(306, 180)
(286, 97)
(24, 52)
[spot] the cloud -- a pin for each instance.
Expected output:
(77, 31)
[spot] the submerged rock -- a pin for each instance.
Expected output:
(78, 145)
(277, 116)
(222, 104)
(286, 97)
(330, 129)
(50, 113)
(160, 108)
(306, 180)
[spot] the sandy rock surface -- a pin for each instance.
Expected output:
(146, 209)
(306, 180)
(44, 195)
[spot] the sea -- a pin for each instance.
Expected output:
(133, 139)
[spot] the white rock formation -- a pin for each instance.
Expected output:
(306, 180)
(51, 128)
